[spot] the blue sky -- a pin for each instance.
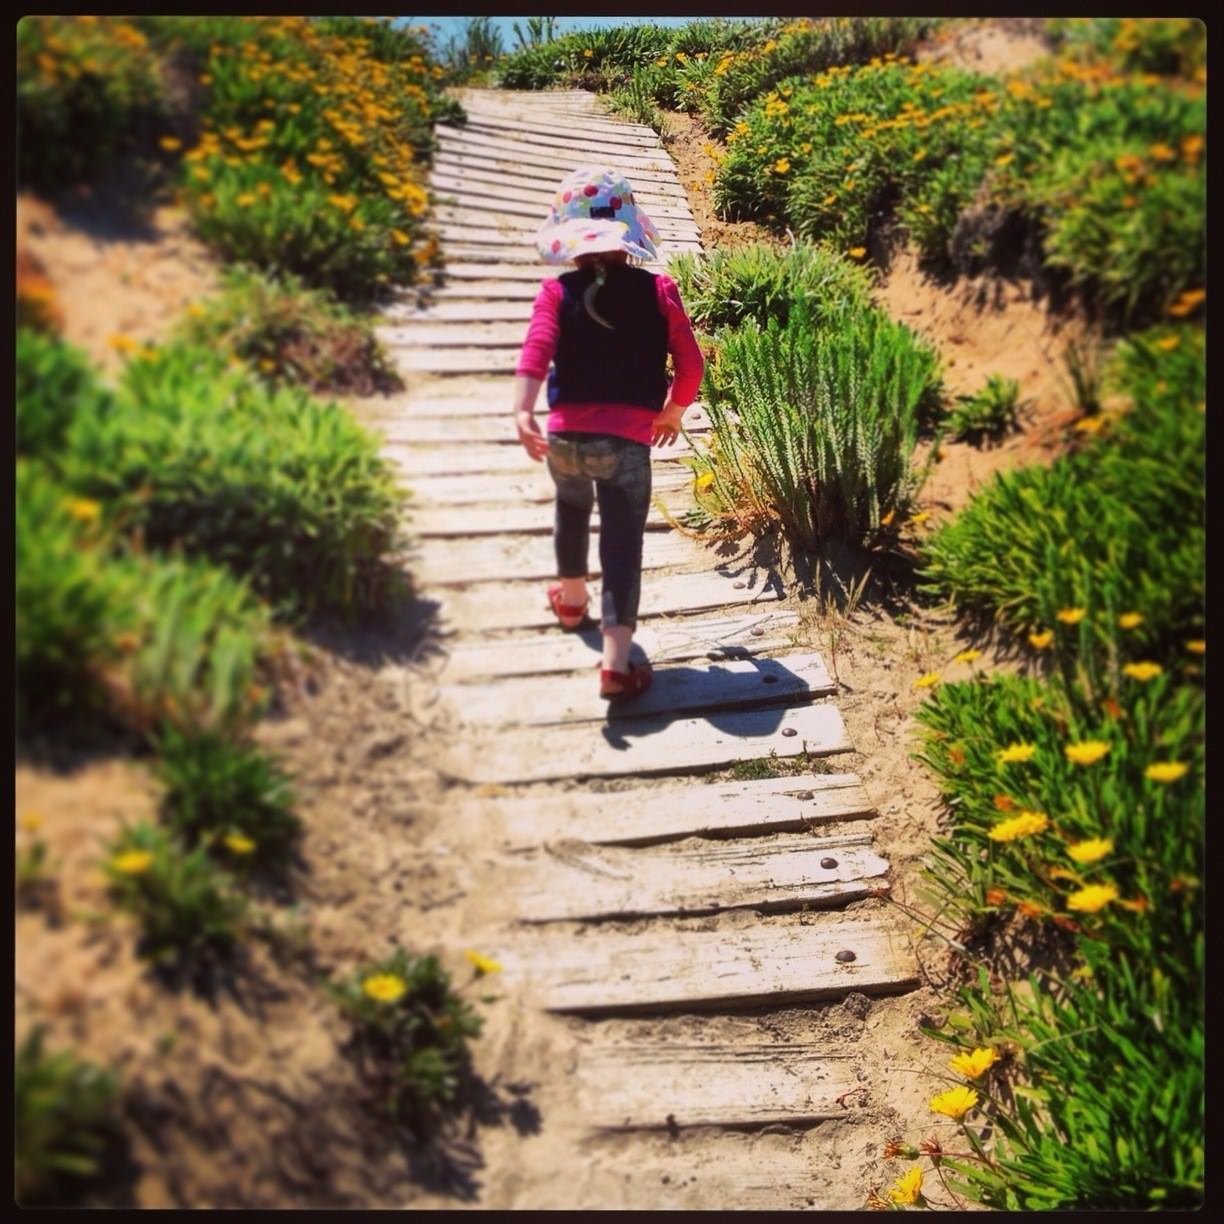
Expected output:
(448, 27)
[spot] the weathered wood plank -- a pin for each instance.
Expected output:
(519, 247)
(420, 427)
(535, 486)
(504, 156)
(491, 402)
(571, 881)
(669, 812)
(443, 522)
(677, 688)
(648, 746)
(476, 171)
(665, 1085)
(485, 289)
(476, 460)
(521, 605)
(456, 221)
(439, 312)
(576, 152)
(771, 965)
(506, 558)
(728, 637)
(467, 334)
(525, 123)
(491, 271)
(458, 361)
(535, 201)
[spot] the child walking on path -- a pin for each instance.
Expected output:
(607, 328)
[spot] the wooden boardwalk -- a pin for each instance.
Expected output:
(599, 887)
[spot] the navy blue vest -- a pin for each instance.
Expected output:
(625, 366)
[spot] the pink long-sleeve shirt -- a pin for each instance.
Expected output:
(624, 420)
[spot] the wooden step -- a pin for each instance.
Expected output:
(523, 605)
(475, 459)
(486, 287)
(478, 172)
(668, 1085)
(729, 637)
(454, 522)
(525, 122)
(647, 746)
(677, 688)
(667, 812)
(533, 486)
(438, 405)
(462, 563)
(497, 428)
(466, 312)
(568, 154)
(459, 156)
(770, 965)
(571, 881)
(466, 334)
(461, 223)
(535, 201)
(463, 245)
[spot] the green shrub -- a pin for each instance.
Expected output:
(284, 490)
(1170, 45)
(814, 423)
(991, 412)
(409, 1032)
(724, 288)
(55, 381)
(72, 605)
(188, 908)
(1115, 529)
(636, 99)
(86, 87)
(64, 1118)
(227, 795)
(291, 334)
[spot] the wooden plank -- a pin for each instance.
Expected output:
(489, 271)
(458, 361)
(514, 117)
(771, 965)
(728, 637)
(477, 460)
(678, 688)
(576, 152)
(483, 289)
(463, 189)
(647, 746)
(451, 312)
(551, 131)
(647, 816)
(508, 156)
(475, 170)
(535, 486)
(571, 881)
(496, 426)
(476, 220)
(509, 252)
(665, 1085)
(523, 605)
(446, 407)
(504, 558)
(461, 333)
(443, 522)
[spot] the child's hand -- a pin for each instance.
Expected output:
(534, 442)
(666, 425)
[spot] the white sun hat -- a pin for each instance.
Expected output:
(593, 212)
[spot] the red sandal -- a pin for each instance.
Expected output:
(614, 684)
(569, 617)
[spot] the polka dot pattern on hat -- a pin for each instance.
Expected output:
(594, 211)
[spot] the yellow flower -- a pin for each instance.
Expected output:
(920, 155)
(246, 199)
(1026, 824)
(1090, 851)
(344, 203)
(385, 987)
(1130, 620)
(1162, 152)
(956, 1102)
(829, 199)
(1071, 616)
(133, 862)
(84, 509)
(781, 166)
(1005, 160)
(588, 54)
(30, 821)
(1015, 752)
(921, 516)
(239, 844)
(975, 1063)
(484, 964)
(908, 1187)
(400, 238)
(930, 680)
(1090, 424)
(1166, 771)
(857, 252)
(1039, 641)
(170, 143)
(1143, 671)
(121, 343)
(1169, 343)
(1087, 752)
(705, 480)
(1093, 898)
(967, 656)
(1196, 646)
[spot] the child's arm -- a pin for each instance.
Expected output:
(688, 361)
(539, 347)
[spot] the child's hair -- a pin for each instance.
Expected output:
(600, 259)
